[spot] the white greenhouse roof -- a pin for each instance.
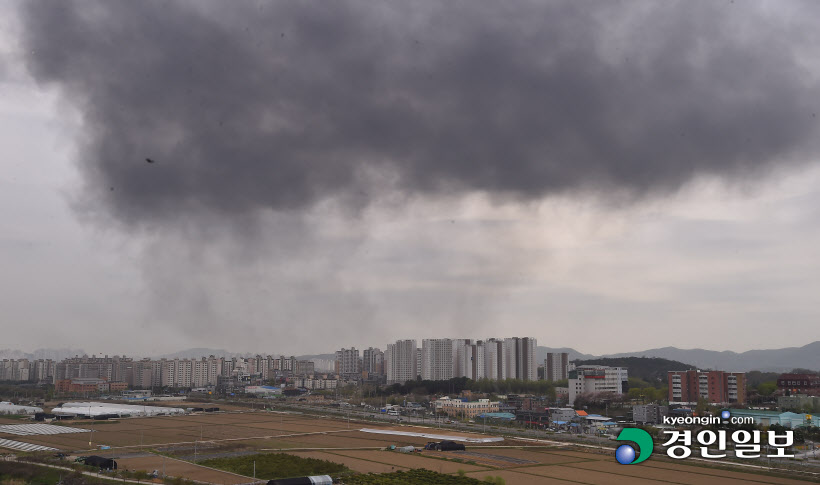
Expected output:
(98, 409)
(9, 408)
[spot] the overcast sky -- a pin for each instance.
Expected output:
(608, 176)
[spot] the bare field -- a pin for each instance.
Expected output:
(177, 468)
(332, 440)
(409, 460)
(588, 476)
(355, 464)
(516, 478)
(545, 456)
(724, 476)
(695, 476)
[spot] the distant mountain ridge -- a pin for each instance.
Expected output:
(53, 354)
(768, 360)
(199, 352)
(773, 360)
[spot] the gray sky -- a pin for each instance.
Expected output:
(606, 176)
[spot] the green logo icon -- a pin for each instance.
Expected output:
(625, 454)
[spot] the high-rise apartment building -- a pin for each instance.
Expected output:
(459, 350)
(473, 363)
(437, 359)
(556, 366)
(348, 364)
(373, 361)
(518, 359)
(494, 359)
(717, 387)
(401, 361)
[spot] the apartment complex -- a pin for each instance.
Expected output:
(442, 359)
(595, 379)
(717, 387)
(24, 370)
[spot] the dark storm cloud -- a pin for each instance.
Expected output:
(247, 106)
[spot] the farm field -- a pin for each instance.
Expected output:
(134, 443)
(178, 468)
(355, 464)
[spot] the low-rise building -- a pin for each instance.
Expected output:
(649, 413)
(137, 394)
(263, 390)
(465, 409)
(806, 384)
(315, 384)
(88, 385)
(562, 414)
(799, 403)
(769, 418)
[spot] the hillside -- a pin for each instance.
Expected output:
(650, 369)
(773, 360)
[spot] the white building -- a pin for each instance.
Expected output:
(493, 359)
(593, 379)
(437, 359)
(313, 383)
(263, 390)
(401, 361)
(465, 409)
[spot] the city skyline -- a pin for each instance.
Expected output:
(318, 179)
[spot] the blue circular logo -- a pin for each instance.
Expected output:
(625, 454)
(725, 414)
